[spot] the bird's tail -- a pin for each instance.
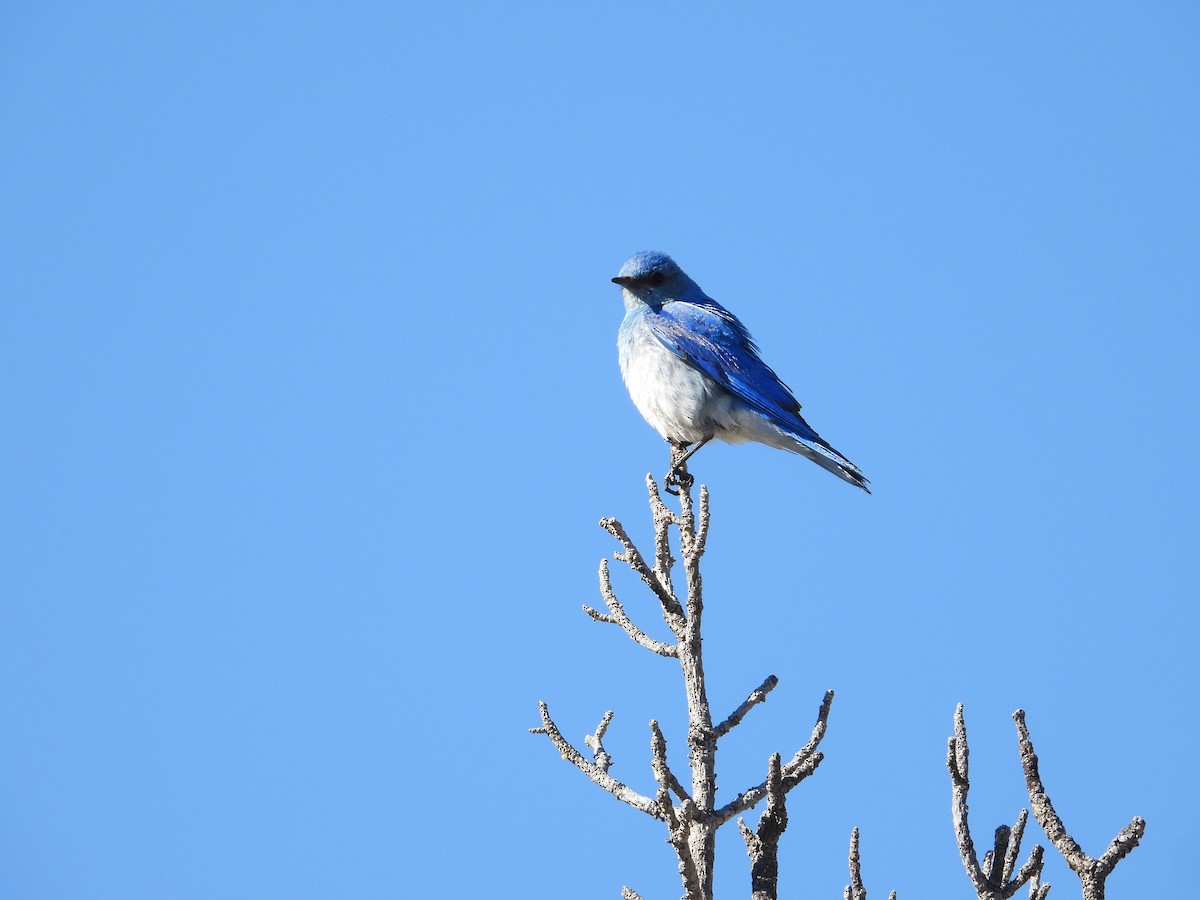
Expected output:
(797, 436)
(827, 458)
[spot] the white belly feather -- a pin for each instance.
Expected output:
(679, 401)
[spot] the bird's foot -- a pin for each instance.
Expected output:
(677, 476)
(677, 479)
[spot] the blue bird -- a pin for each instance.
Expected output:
(694, 372)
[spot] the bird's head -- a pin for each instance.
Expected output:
(654, 278)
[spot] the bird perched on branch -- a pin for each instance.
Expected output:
(694, 372)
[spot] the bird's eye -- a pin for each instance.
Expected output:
(655, 278)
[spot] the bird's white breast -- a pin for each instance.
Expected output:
(678, 400)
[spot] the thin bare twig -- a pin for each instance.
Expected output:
(819, 728)
(673, 612)
(659, 743)
(616, 615)
(803, 764)
(1092, 872)
(663, 518)
(758, 695)
(595, 743)
(702, 523)
(598, 776)
(1037, 890)
(856, 890)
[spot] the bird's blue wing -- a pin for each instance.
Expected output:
(712, 339)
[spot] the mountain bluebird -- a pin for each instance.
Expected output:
(694, 372)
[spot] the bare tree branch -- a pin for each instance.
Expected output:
(1037, 890)
(758, 695)
(1031, 872)
(679, 822)
(856, 890)
(957, 755)
(663, 517)
(763, 845)
(993, 879)
(616, 615)
(595, 743)
(702, 524)
(803, 764)
(673, 612)
(702, 742)
(658, 744)
(600, 777)
(693, 823)
(1092, 872)
(819, 728)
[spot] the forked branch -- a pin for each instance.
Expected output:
(592, 770)
(1092, 872)
(803, 764)
(616, 615)
(658, 579)
(763, 844)
(993, 878)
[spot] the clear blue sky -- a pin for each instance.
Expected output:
(311, 405)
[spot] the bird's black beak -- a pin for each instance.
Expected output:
(623, 280)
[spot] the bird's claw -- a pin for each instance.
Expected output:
(676, 480)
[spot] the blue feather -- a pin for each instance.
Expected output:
(713, 340)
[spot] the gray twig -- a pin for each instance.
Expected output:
(856, 890)
(658, 580)
(598, 776)
(595, 743)
(803, 764)
(757, 696)
(616, 615)
(993, 879)
(662, 771)
(1037, 890)
(663, 518)
(1092, 872)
